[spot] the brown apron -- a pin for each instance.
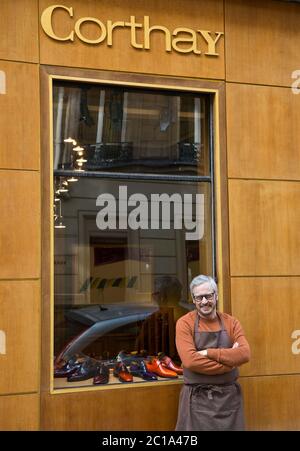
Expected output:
(210, 403)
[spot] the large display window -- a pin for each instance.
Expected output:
(133, 224)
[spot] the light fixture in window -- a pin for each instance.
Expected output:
(78, 149)
(54, 213)
(62, 187)
(72, 179)
(60, 224)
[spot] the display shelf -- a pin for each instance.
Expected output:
(62, 383)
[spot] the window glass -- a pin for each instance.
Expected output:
(129, 130)
(126, 249)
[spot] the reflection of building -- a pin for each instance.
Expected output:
(251, 241)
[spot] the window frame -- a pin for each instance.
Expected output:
(218, 180)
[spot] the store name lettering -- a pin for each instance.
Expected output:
(181, 39)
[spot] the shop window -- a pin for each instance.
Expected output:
(133, 224)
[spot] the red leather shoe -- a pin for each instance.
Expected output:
(102, 375)
(121, 371)
(168, 363)
(155, 366)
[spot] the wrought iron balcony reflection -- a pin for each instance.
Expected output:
(189, 152)
(115, 155)
(108, 153)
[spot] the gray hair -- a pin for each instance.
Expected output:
(200, 280)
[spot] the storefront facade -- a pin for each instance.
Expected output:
(193, 99)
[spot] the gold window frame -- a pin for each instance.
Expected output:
(217, 89)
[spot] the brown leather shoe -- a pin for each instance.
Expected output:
(121, 371)
(102, 375)
(168, 363)
(155, 366)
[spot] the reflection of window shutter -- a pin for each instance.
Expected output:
(131, 282)
(118, 282)
(101, 284)
(86, 284)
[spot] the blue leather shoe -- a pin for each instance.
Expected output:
(86, 371)
(138, 369)
(72, 365)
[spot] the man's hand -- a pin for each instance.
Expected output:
(235, 345)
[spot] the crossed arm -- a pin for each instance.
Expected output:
(190, 357)
(235, 356)
(211, 361)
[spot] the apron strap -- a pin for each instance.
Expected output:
(210, 389)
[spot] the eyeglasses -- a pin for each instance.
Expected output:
(207, 296)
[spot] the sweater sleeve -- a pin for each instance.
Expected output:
(189, 355)
(232, 356)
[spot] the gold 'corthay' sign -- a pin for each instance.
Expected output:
(181, 39)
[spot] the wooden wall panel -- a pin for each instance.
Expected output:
(262, 41)
(271, 403)
(200, 14)
(264, 223)
(19, 413)
(263, 132)
(268, 309)
(20, 225)
(128, 409)
(20, 321)
(19, 30)
(20, 117)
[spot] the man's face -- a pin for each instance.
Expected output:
(205, 307)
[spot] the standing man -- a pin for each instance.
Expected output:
(211, 346)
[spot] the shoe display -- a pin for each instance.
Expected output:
(168, 363)
(102, 375)
(122, 373)
(156, 366)
(125, 365)
(138, 369)
(69, 367)
(87, 370)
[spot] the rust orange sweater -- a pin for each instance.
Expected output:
(217, 361)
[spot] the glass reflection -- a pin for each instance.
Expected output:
(120, 129)
(126, 250)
